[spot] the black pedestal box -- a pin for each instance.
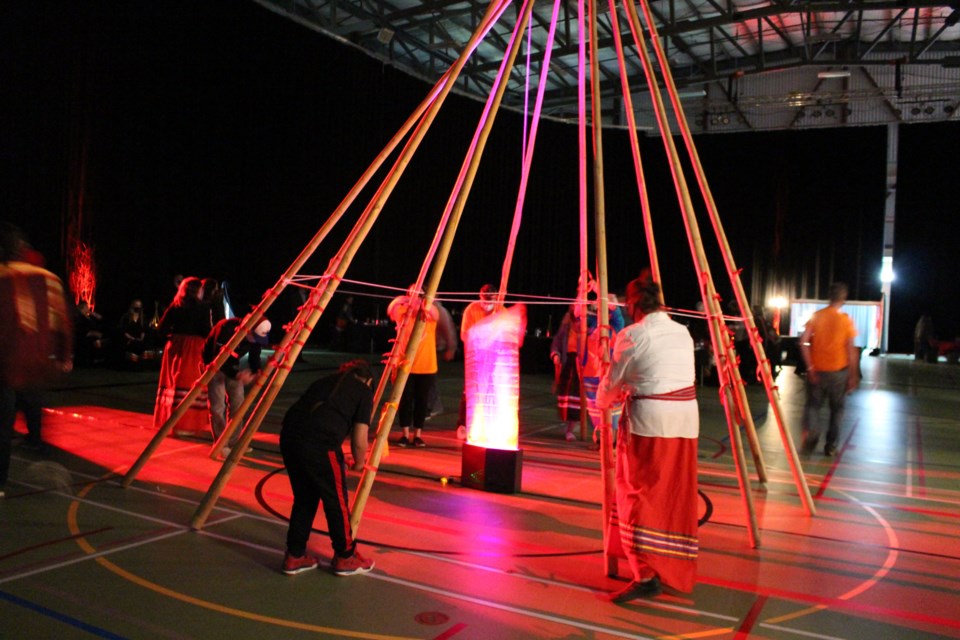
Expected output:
(494, 470)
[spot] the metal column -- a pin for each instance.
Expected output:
(889, 216)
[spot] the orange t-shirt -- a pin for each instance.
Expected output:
(425, 361)
(831, 330)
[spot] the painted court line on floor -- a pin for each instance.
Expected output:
(92, 556)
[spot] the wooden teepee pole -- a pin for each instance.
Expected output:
(773, 395)
(607, 466)
(718, 331)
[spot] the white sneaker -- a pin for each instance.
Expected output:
(225, 451)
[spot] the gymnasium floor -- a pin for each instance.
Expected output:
(82, 557)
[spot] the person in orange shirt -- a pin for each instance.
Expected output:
(415, 401)
(833, 369)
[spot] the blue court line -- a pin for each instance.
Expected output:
(97, 631)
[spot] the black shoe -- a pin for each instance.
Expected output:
(419, 443)
(403, 442)
(829, 450)
(634, 590)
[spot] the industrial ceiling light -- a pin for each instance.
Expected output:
(842, 73)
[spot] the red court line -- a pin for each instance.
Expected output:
(921, 474)
(751, 619)
(832, 603)
(452, 631)
(49, 543)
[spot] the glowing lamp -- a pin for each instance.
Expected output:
(886, 270)
(491, 455)
(778, 303)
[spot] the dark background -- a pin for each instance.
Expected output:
(215, 138)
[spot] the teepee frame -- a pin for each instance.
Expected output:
(410, 329)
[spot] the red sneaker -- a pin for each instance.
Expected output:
(351, 566)
(292, 565)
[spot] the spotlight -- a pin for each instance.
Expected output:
(886, 269)
(948, 108)
(928, 110)
(830, 113)
(915, 111)
(816, 113)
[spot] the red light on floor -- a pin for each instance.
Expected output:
(492, 379)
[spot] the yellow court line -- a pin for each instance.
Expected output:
(240, 613)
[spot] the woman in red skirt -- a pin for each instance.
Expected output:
(185, 323)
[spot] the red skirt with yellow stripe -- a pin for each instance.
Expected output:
(182, 364)
(654, 525)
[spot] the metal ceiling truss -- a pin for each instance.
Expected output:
(748, 65)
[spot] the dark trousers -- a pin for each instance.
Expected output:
(31, 403)
(317, 476)
(415, 401)
(832, 388)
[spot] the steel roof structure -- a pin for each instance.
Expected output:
(741, 65)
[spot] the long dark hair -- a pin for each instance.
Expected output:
(187, 293)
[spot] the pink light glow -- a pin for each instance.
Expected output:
(492, 379)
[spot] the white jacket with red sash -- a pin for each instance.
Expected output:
(653, 371)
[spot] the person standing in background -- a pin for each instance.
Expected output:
(833, 369)
(415, 401)
(225, 391)
(185, 325)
